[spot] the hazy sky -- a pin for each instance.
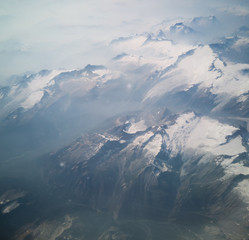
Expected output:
(38, 34)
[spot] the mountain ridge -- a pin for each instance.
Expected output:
(156, 139)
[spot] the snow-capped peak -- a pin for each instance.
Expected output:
(202, 134)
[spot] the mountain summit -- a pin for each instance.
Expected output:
(152, 146)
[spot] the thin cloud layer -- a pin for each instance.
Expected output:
(236, 10)
(70, 34)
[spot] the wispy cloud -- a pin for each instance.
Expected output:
(236, 10)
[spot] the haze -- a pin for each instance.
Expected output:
(64, 34)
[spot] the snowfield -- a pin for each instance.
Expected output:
(136, 127)
(205, 69)
(202, 133)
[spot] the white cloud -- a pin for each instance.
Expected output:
(236, 10)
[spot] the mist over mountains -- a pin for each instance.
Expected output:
(65, 34)
(151, 145)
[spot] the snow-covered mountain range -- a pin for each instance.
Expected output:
(156, 63)
(169, 122)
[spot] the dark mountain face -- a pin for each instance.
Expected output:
(155, 145)
(148, 173)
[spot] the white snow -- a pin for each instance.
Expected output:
(236, 169)
(203, 135)
(141, 51)
(143, 138)
(242, 98)
(153, 147)
(101, 71)
(209, 134)
(231, 148)
(28, 96)
(110, 76)
(82, 85)
(232, 83)
(206, 69)
(13, 90)
(243, 190)
(104, 75)
(191, 70)
(40, 82)
(51, 83)
(32, 99)
(225, 162)
(178, 133)
(136, 127)
(109, 137)
(149, 145)
(232, 169)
